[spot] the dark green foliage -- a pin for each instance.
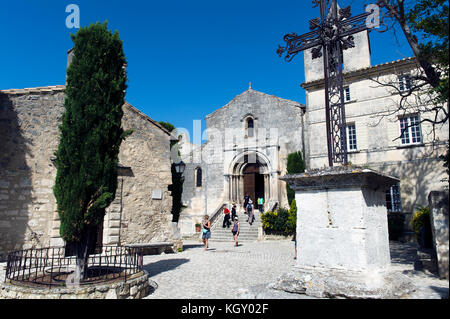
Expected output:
(396, 223)
(429, 19)
(282, 221)
(177, 180)
(91, 132)
(295, 165)
(421, 225)
(176, 191)
(168, 126)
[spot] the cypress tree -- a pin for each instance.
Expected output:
(295, 165)
(90, 137)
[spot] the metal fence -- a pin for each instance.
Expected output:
(50, 267)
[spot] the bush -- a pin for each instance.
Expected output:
(420, 223)
(282, 221)
(396, 222)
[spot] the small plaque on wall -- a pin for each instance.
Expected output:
(156, 194)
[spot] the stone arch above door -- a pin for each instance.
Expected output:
(236, 176)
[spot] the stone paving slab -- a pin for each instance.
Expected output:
(221, 272)
(228, 272)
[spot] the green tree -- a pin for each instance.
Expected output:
(90, 137)
(177, 180)
(424, 24)
(295, 165)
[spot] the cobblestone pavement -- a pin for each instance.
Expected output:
(222, 271)
(227, 272)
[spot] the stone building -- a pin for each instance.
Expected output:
(248, 141)
(29, 120)
(218, 172)
(374, 127)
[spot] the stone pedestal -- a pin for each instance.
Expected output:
(342, 233)
(438, 202)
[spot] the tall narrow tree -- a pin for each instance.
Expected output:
(90, 137)
(295, 165)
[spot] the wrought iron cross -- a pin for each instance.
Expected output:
(329, 35)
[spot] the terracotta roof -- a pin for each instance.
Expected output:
(381, 66)
(60, 88)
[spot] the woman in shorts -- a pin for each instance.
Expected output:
(206, 230)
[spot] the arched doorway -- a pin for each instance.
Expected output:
(250, 173)
(253, 181)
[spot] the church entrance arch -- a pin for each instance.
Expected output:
(249, 174)
(253, 181)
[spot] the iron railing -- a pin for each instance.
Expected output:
(50, 267)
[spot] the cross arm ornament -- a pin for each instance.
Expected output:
(297, 43)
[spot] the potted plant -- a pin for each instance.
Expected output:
(198, 227)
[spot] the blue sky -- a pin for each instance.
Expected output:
(186, 58)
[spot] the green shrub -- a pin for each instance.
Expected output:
(282, 221)
(419, 219)
(420, 223)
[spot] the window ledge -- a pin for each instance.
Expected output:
(353, 151)
(410, 145)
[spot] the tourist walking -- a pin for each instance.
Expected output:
(235, 230)
(246, 200)
(226, 218)
(261, 204)
(233, 212)
(206, 231)
(250, 212)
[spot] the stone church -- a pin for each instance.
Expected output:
(248, 140)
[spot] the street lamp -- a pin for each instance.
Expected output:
(180, 167)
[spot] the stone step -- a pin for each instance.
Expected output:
(247, 232)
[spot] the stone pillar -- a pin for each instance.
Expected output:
(438, 202)
(342, 232)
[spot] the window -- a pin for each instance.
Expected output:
(250, 127)
(351, 137)
(347, 93)
(410, 130)
(404, 82)
(198, 177)
(393, 200)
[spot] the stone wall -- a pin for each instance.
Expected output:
(439, 207)
(29, 138)
(29, 133)
(136, 287)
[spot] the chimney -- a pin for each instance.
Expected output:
(69, 60)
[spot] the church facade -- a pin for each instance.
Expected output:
(248, 140)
